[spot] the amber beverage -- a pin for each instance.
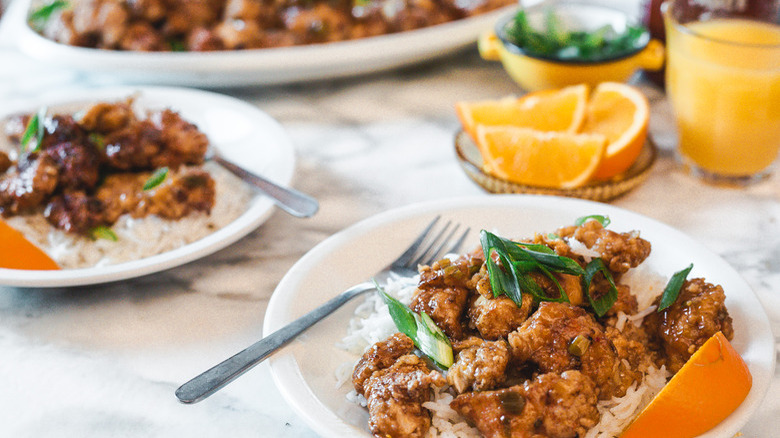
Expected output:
(723, 80)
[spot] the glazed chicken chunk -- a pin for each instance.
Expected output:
(479, 365)
(698, 313)
(560, 337)
(550, 405)
(619, 251)
(395, 385)
(495, 318)
(395, 396)
(381, 355)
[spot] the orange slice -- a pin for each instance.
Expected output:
(621, 113)
(16, 252)
(709, 387)
(560, 110)
(544, 159)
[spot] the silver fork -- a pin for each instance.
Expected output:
(426, 248)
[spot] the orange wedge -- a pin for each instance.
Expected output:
(709, 387)
(621, 113)
(16, 252)
(544, 159)
(561, 110)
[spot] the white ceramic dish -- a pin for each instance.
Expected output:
(240, 131)
(255, 67)
(305, 370)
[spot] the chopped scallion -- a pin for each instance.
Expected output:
(673, 287)
(602, 304)
(603, 220)
(103, 232)
(156, 179)
(421, 329)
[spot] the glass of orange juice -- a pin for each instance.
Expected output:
(723, 81)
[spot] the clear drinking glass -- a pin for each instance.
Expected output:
(723, 80)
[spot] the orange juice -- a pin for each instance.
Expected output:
(723, 79)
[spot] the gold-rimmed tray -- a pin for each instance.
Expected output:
(470, 160)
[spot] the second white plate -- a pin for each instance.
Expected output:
(240, 131)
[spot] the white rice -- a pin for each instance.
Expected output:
(372, 323)
(139, 238)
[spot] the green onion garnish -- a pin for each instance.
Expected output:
(673, 287)
(36, 129)
(40, 16)
(556, 42)
(103, 232)
(421, 329)
(98, 140)
(520, 259)
(156, 179)
(603, 303)
(579, 345)
(603, 220)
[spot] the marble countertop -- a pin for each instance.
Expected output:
(105, 360)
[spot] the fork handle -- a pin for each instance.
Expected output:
(288, 199)
(225, 372)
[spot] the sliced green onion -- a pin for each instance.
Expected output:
(520, 259)
(35, 129)
(177, 46)
(421, 329)
(156, 179)
(555, 41)
(579, 345)
(673, 287)
(603, 220)
(103, 232)
(604, 303)
(98, 140)
(40, 16)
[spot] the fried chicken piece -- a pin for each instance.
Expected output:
(479, 365)
(316, 23)
(28, 184)
(619, 251)
(545, 338)
(381, 355)
(453, 273)
(395, 396)
(5, 162)
(203, 40)
(141, 36)
(59, 129)
(105, 117)
(78, 164)
(75, 212)
(133, 147)
(698, 313)
(104, 20)
(495, 318)
(179, 195)
(626, 301)
(164, 139)
(184, 143)
(551, 405)
(445, 306)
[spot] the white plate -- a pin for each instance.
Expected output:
(304, 371)
(259, 66)
(239, 130)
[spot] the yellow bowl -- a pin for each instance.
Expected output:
(537, 73)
